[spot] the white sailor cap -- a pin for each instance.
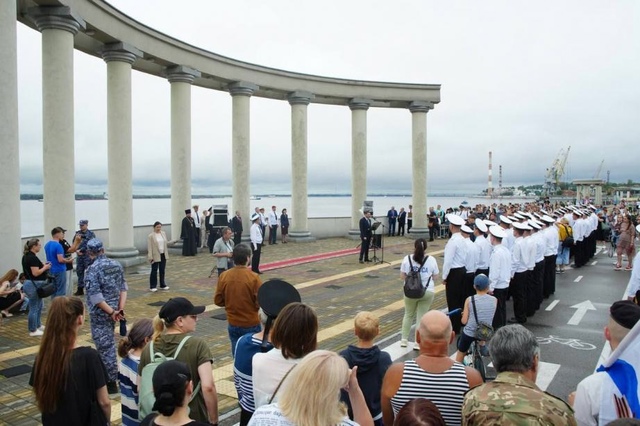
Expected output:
(534, 224)
(638, 228)
(529, 215)
(513, 218)
(577, 212)
(505, 219)
(543, 211)
(466, 229)
(519, 216)
(522, 226)
(547, 218)
(537, 215)
(481, 225)
(489, 223)
(538, 222)
(497, 231)
(254, 217)
(454, 219)
(521, 212)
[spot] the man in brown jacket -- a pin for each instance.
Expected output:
(237, 292)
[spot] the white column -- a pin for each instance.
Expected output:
(241, 93)
(119, 58)
(58, 26)
(419, 166)
(359, 109)
(181, 78)
(299, 102)
(11, 249)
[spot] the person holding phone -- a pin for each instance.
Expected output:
(36, 273)
(106, 296)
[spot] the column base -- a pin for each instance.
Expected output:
(301, 237)
(354, 234)
(128, 256)
(417, 233)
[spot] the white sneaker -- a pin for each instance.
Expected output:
(36, 333)
(41, 328)
(164, 288)
(403, 343)
(153, 290)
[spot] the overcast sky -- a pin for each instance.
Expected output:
(521, 79)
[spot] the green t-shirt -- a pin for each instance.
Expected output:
(194, 353)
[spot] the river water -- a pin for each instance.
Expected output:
(147, 211)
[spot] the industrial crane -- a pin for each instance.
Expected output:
(597, 175)
(555, 172)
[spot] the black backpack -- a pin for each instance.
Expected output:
(413, 288)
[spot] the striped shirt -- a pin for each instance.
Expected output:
(486, 305)
(446, 390)
(128, 376)
(246, 348)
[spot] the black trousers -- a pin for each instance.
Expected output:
(468, 284)
(539, 272)
(409, 224)
(482, 271)
(500, 317)
(237, 239)
(400, 228)
(549, 282)
(456, 295)
(518, 289)
(255, 258)
(155, 267)
(364, 249)
(245, 416)
(579, 254)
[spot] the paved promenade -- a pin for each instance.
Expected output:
(326, 273)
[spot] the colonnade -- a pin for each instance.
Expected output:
(59, 25)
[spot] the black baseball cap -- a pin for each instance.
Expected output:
(178, 307)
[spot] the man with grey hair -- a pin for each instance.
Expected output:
(513, 397)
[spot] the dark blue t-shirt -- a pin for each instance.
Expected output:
(52, 250)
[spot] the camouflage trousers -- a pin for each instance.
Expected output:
(102, 334)
(82, 264)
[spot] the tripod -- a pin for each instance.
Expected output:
(381, 260)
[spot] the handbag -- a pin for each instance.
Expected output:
(45, 290)
(484, 331)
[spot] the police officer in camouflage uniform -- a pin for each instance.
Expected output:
(83, 261)
(513, 397)
(106, 297)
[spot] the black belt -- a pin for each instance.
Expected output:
(457, 269)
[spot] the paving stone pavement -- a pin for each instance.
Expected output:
(337, 288)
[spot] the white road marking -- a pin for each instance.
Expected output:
(546, 373)
(594, 262)
(552, 305)
(577, 280)
(582, 309)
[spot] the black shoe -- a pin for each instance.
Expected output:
(515, 321)
(79, 292)
(367, 260)
(361, 261)
(259, 273)
(112, 388)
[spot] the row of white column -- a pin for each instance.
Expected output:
(58, 26)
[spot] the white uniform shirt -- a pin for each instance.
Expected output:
(578, 230)
(455, 254)
(541, 245)
(529, 252)
(518, 257)
(485, 252)
(273, 218)
(551, 237)
(472, 257)
(634, 281)
(588, 396)
(509, 240)
(499, 268)
(256, 235)
(196, 218)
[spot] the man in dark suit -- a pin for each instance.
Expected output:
(365, 237)
(392, 215)
(402, 218)
(236, 227)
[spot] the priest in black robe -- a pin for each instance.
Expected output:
(188, 235)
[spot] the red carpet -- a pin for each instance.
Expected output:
(308, 259)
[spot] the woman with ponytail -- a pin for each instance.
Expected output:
(36, 274)
(172, 387)
(129, 349)
(414, 309)
(69, 380)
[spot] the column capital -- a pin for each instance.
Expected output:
(420, 106)
(242, 88)
(359, 104)
(57, 18)
(181, 74)
(300, 97)
(122, 52)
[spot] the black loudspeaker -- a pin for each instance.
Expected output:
(220, 215)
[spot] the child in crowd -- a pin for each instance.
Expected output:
(484, 310)
(371, 361)
(129, 349)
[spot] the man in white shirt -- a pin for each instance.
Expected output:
(499, 274)
(274, 220)
(551, 238)
(579, 229)
(519, 274)
(256, 242)
(453, 270)
(196, 222)
(471, 260)
(505, 223)
(485, 247)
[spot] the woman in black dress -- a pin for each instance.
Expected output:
(69, 381)
(284, 224)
